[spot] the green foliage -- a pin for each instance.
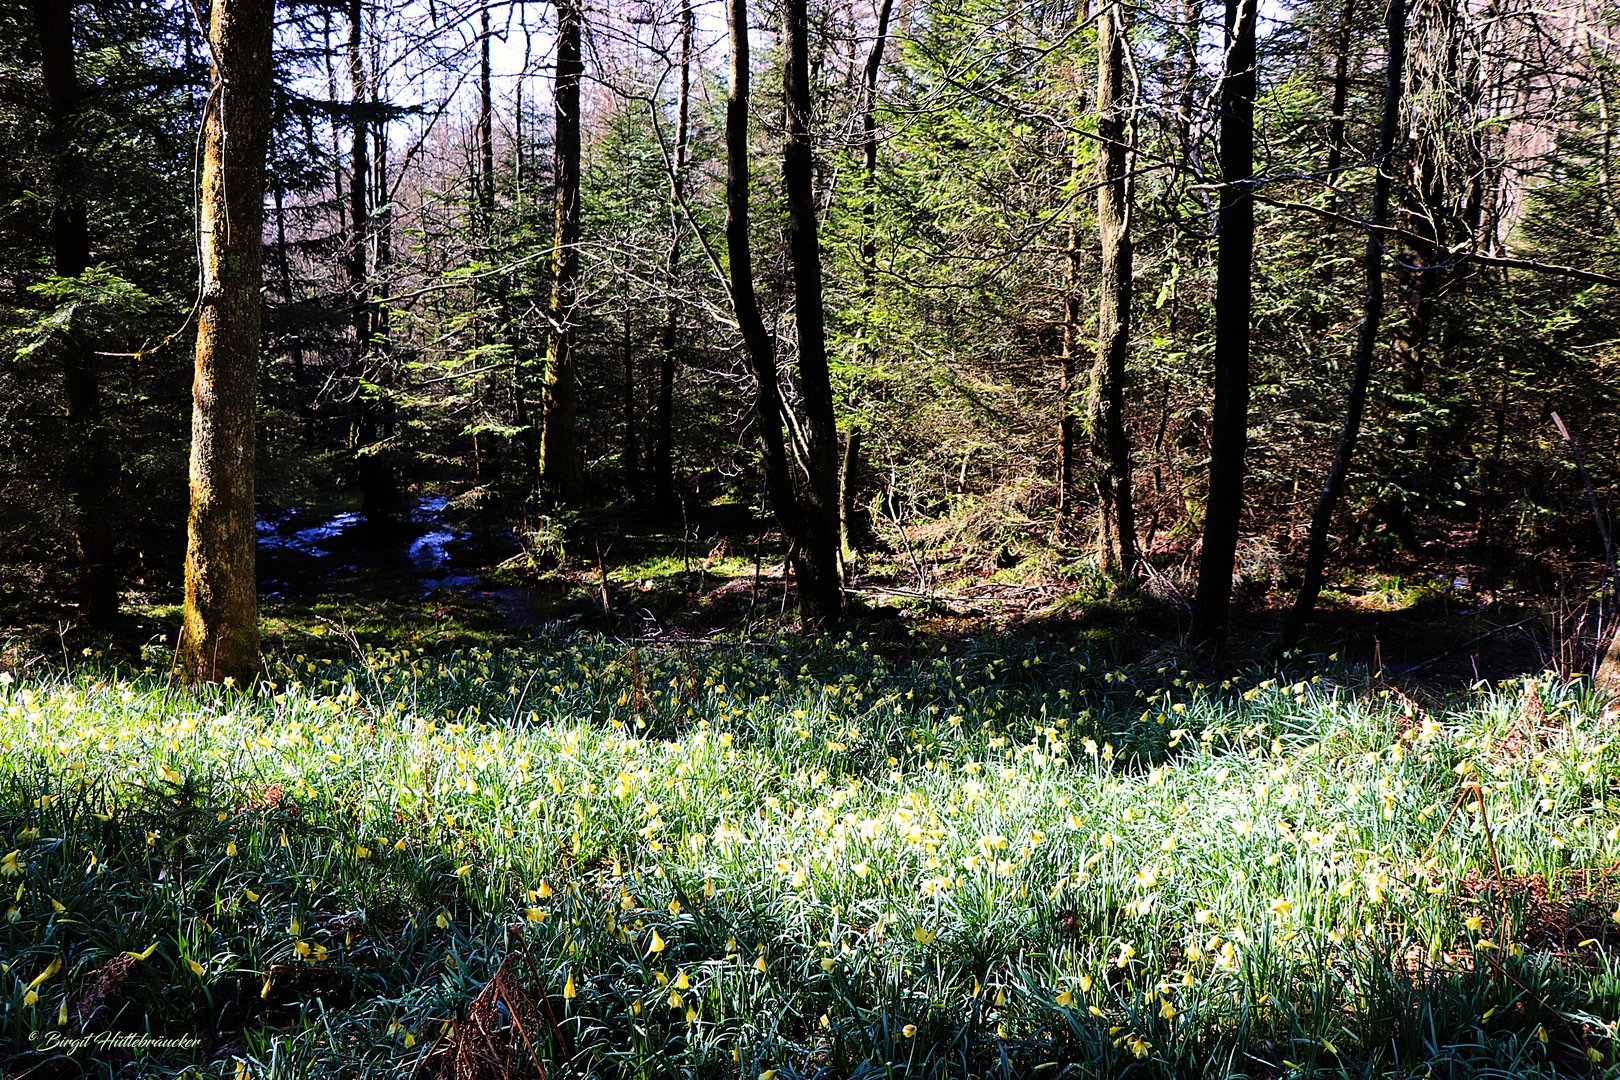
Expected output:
(677, 862)
(92, 300)
(132, 149)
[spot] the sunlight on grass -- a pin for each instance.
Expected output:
(998, 858)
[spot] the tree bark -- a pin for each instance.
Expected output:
(1429, 267)
(1111, 446)
(869, 143)
(560, 476)
(93, 465)
(378, 493)
(757, 343)
(848, 483)
(787, 501)
(821, 591)
(664, 414)
(1070, 418)
(486, 124)
(1340, 98)
(220, 635)
(385, 407)
(1366, 337)
(631, 445)
(1187, 91)
(1069, 361)
(284, 268)
(1229, 436)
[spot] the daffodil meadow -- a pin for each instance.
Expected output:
(586, 857)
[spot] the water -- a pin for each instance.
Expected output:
(311, 541)
(423, 551)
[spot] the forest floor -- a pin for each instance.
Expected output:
(617, 817)
(439, 576)
(830, 858)
(1435, 617)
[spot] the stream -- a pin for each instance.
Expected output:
(422, 551)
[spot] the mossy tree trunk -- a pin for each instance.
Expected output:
(220, 635)
(1110, 443)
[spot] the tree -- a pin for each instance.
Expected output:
(92, 477)
(1111, 444)
(1338, 103)
(560, 474)
(869, 142)
(821, 586)
(1366, 336)
(663, 464)
(1069, 412)
(803, 489)
(378, 492)
(757, 343)
(220, 635)
(1234, 300)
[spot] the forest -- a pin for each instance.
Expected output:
(809, 538)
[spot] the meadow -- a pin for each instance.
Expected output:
(841, 858)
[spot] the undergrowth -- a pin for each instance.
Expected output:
(591, 858)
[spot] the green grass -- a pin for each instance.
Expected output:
(836, 859)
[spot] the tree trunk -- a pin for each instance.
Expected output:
(486, 124)
(372, 470)
(382, 268)
(631, 446)
(1229, 436)
(1110, 443)
(1187, 91)
(869, 143)
(93, 466)
(560, 475)
(1069, 414)
(757, 343)
(328, 53)
(664, 415)
(820, 578)
(1069, 362)
(1445, 164)
(1340, 98)
(220, 636)
(284, 266)
(848, 479)
(1367, 335)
